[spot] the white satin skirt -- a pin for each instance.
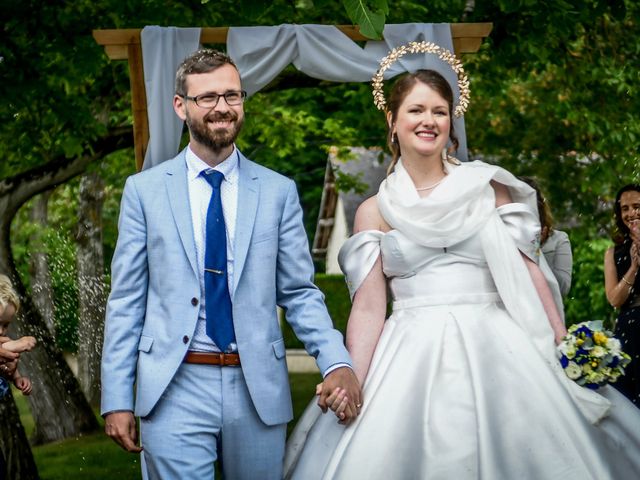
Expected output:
(458, 391)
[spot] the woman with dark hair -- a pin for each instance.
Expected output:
(554, 243)
(462, 381)
(622, 284)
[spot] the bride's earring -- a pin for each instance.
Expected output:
(444, 154)
(394, 138)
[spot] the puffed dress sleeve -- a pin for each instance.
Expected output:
(358, 256)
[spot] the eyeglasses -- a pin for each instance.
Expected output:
(210, 100)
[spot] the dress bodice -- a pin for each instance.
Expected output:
(434, 274)
(434, 247)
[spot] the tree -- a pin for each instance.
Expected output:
(50, 374)
(40, 275)
(91, 284)
(566, 110)
(16, 459)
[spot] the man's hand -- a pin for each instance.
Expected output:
(121, 427)
(340, 391)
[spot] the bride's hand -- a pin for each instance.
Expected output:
(337, 401)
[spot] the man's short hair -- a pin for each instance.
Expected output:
(204, 60)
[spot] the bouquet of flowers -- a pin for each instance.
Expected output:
(591, 355)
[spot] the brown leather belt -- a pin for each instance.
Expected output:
(213, 358)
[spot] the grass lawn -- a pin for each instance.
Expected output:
(97, 457)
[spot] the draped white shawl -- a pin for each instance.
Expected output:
(461, 206)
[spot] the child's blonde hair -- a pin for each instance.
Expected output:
(7, 293)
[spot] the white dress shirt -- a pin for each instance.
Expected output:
(199, 197)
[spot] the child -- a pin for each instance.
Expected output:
(9, 306)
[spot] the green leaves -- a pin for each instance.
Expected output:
(368, 15)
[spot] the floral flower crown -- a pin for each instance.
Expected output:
(445, 55)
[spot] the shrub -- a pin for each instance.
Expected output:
(587, 299)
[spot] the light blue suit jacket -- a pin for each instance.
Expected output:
(154, 301)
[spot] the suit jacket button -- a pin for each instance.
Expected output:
(185, 339)
(194, 301)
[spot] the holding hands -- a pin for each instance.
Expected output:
(341, 393)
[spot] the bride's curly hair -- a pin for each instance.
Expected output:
(399, 92)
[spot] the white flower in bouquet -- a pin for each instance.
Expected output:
(614, 346)
(573, 371)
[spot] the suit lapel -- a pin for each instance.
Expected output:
(178, 193)
(248, 191)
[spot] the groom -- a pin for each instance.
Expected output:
(209, 243)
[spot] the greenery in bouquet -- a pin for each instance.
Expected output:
(591, 355)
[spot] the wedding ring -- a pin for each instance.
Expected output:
(358, 405)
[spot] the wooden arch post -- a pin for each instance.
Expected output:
(125, 44)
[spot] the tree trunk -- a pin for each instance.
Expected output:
(16, 459)
(41, 287)
(91, 286)
(60, 409)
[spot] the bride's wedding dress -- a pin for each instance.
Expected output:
(464, 382)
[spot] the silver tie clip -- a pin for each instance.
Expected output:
(212, 270)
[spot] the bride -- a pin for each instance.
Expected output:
(462, 381)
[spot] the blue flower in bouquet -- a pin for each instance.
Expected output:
(585, 331)
(591, 355)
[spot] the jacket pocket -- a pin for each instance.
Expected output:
(278, 349)
(145, 343)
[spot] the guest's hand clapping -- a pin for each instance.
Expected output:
(635, 246)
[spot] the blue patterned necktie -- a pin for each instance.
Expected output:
(216, 286)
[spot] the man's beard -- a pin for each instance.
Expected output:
(218, 139)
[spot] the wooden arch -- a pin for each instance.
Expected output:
(125, 44)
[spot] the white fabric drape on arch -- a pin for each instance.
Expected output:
(163, 48)
(261, 53)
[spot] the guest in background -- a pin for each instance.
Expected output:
(622, 284)
(554, 243)
(9, 306)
